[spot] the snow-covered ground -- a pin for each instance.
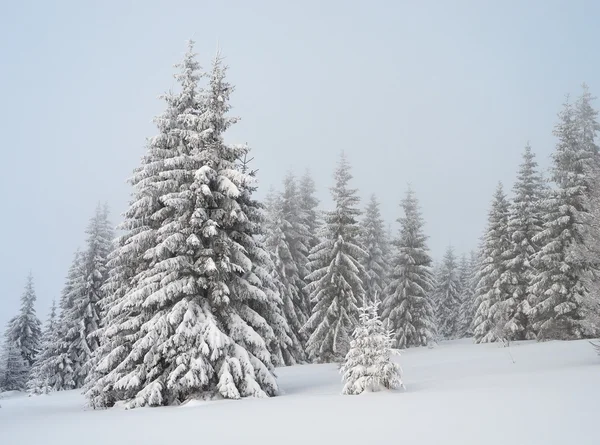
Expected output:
(457, 393)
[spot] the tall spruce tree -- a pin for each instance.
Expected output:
(492, 289)
(335, 283)
(24, 331)
(143, 219)
(448, 298)
(524, 224)
(408, 308)
(563, 305)
(374, 241)
(198, 315)
(589, 250)
(81, 318)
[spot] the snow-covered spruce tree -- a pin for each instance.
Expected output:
(586, 119)
(563, 305)
(468, 280)
(82, 313)
(199, 317)
(280, 343)
(524, 223)
(436, 270)
(448, 298)
(285, 275)
(24, 331)
(374, 241)
(463, 284)
(492, 290)
(463, 271)
(408, 308)
(40, 381)
(122, 315)
(335, 283)
(309, 206)
(298, 237)
(59, 364)
(368, 365)
(13, 368)
(589, 249)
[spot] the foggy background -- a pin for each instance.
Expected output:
(441, 94)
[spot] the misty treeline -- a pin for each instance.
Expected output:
(207, 290)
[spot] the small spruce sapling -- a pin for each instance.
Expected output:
(368, 365)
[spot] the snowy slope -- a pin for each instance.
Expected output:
(457, 393)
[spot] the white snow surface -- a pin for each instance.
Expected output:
(456, 393)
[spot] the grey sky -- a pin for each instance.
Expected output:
(441, 94)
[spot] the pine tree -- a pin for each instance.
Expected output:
(408, 307)
(40, 380)
(468, 280)
(335, 283)
(24, 331)
(13, 368)
(563, 306)
(589, 250)
(368, 365)
(61, 363)
(81, 317)
(447, 290)
(309, 208)
(492, 289)
(586, 120)
(435, 296)
(200, 316)
(524, 223)
(298, 237)
(278, 339)
(286, 274)
(374, 241)
(463, 271)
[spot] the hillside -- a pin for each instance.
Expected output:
(456, 393)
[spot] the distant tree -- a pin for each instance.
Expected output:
(59, 361)
(24, 331)
(297, 229)
(448, 298)
(335, 283)
(40, 379)
(468, 280)
(368, 365)
(286, 275)
(13, 368)
(309, 207)
(374, 241)
(81, 317)
(408, 308)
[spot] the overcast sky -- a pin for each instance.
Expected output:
(439, 94)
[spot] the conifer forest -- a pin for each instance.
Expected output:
(213, 286)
